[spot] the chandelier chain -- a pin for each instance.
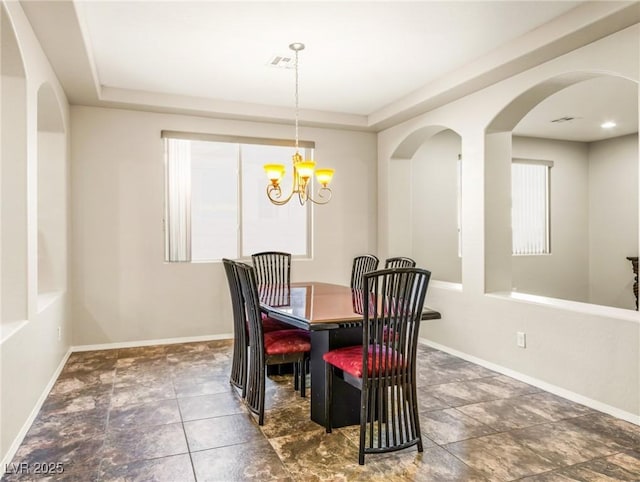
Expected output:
(297, 98)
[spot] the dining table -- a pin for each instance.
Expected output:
(333, 315)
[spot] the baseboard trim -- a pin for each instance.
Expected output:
(556, 390)
(161, 341)
(34, 413)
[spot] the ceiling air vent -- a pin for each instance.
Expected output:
(564, 119)
(281, 62)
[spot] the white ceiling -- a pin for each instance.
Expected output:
(367, 65)
(359, 56)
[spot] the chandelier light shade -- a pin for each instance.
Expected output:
(303, 170)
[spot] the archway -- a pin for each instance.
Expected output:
(593, 182)
(429, 159)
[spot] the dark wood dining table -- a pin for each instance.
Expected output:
(332, 315)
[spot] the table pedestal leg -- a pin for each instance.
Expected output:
(346, 399)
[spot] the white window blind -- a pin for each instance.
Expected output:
(178, 200)
(530, 207)
(216, 203)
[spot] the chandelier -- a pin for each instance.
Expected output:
(303, 170)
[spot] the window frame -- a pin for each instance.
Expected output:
(307, 150)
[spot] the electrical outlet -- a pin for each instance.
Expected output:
(59, 333)
(521, 339)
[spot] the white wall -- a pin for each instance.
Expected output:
(434, 206)
(123, 290)
(30, 351)
(613, 220)
(565, 272)
(589, 351)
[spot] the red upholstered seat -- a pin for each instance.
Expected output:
(286, 341)
(349, 359)
(270, 324)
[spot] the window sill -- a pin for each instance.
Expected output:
(446, 285)
(575, 306)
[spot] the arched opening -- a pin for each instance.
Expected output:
(13, 177)
(52, 202)
(432, 158)
(591, 197)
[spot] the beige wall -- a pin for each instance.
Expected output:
(123, 290)
(585, 351)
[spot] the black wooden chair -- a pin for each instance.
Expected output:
(238, 375)
(383, 367)
(268, 348)
(240, 336)
(362, 265)
(399, 262)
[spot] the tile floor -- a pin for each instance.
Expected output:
(168, 413)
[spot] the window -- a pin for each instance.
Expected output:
(530, 206)
(216, 205)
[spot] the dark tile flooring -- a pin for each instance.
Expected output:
(168, 413)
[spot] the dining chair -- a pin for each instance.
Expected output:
(240, 335)
(239, 359)
(399, 262)
(361, 265)
(268, 348)
(383, 368)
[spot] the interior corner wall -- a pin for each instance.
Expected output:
(123, 289)
(613, 219)
(31, 353)
(564, 273)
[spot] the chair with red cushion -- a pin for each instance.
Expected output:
(241, 328)
(399, 262)
(275, 347)
(384, 367)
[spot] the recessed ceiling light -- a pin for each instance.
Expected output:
(608, 125)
